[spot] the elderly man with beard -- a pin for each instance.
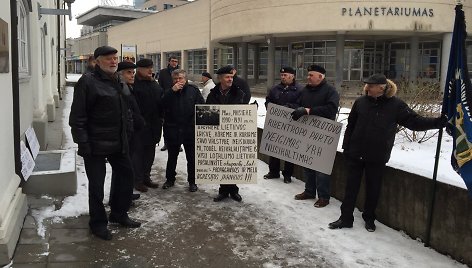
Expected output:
(179, 126)
(286, 94)
(98, 121)
(149, 97)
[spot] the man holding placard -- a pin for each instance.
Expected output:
(321, 99)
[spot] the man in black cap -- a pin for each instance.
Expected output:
(179, 126)
(286, 94)
(98, 121)
(321, 99)
(208, 84)
(242, 84)
(368, 142)
(149, 98)
(225, 92)
(166, 82)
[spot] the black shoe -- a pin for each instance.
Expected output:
(370, 226)
(269, 176)
(236, 197)
(135, 196)
(150, 184)
(339, 224)
(167, 184)
(104, 234)
(124, 221)
(220, 197)
(192, 188)
(287, 179)
(164, 148)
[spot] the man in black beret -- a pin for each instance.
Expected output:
(149, 97)
(286, 94)
(321, 99)
(98, 121)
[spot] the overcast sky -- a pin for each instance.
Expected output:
(81, 6)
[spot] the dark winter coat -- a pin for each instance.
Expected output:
(285, 95)
(179, 114)
(234, 96)
(99, 113)
(135, 119)
(149, 97)
(165, 77)
(243, 85)
(372, 124)
(323, 100)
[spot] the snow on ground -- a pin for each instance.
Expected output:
(305, 224)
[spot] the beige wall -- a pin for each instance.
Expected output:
(160, 3)
(247, 17)
(180, 28)
(86, 45)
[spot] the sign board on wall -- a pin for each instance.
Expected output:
(226, 144)
(27, 162)
(128, 53)
(4, 48)
(33, 142)
(310, 142)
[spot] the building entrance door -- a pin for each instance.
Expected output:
(298, 62)
(353, 58)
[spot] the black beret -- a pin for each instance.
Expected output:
(225, 70)
(126, 65)
(104, 50)
(287, 69)
(207, 75)
(144, 63)
(378, 79)
(316, 68)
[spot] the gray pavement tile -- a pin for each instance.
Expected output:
(72, 253)
(39, 202)
(30, 236)
(65, 236)
(72, 223)
(76, 265)
(29, 223)
(29, 265)
(31, 253)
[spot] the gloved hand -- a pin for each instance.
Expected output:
(299, 112)
(84, 149)
(441, 121)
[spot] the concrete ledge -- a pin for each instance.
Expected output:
(54, 174)
(404, 203)
(11, 228)
(51, 111)
(56, 99)
(40, 126)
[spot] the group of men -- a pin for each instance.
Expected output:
(117, 116)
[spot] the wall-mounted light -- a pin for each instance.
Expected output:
(52, 11)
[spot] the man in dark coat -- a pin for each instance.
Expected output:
(368, 142)
(321, 99)
(286, 94)
(149, 97)
(179, 126)
(241, 84)
(98, 121)
(225, 92)
(166, 82)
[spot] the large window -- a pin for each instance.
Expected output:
(399, 60)
(321, 53)
(156, 59)
(23, 45)
(373, 58)
(226, 57)
(429, 63)
(196, 62)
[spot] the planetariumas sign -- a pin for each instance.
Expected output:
(226, 144)
(310, 142)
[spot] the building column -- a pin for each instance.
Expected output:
(271, 62)
(256, 63)
(183, 59)
(445, 50)
(244, 60)
(210, 58)
(163, 60)
(235, 56)
(340, 40)
(414, 56)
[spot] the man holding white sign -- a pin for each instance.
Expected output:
(321, 99)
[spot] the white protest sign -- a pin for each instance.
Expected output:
(33, 142)
(226, 144)
(27, 162)
(310, 142)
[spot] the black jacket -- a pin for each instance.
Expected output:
(165, 77)
(99, 113)
(234, 96)
(179, 114)
(243, 85)
(135, 119)
(285, 95)
(149, 98)
(372, 124)
(323, 100)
